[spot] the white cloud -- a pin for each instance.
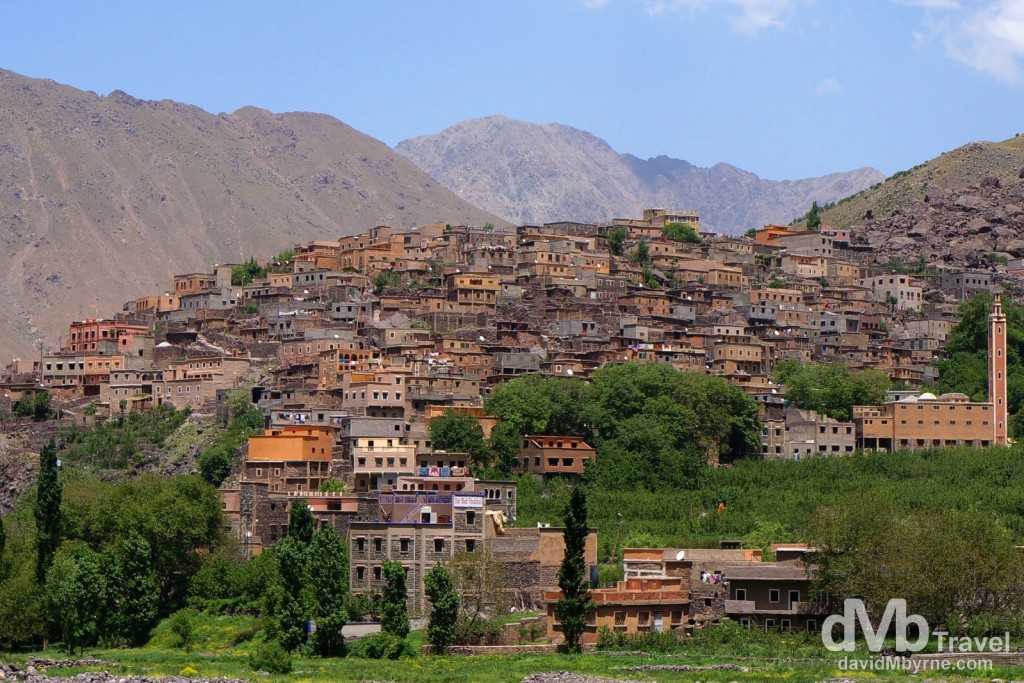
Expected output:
(991, 40)
(594, 4)
(828, 85)
(987, 36)
(751, 17)
(931, 4)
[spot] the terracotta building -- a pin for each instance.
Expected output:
(554, 456)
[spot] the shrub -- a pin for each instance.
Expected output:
(271, 657)
(183, 626)
(667, 641)
(382, 646)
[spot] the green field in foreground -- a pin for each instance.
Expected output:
(223, 645)
(495, 669)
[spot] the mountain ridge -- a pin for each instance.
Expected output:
(104, 198)
(564, 173)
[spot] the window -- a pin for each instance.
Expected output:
(745, 622)
(470, 545)
(470, 518)
(438, 545)
(794, 597)
(785, 625)
(741, 593)
(378, 545)
(769, 623)
(403, 545)
(812, 625)
(360, 573)
(773, 595)
(377, 573)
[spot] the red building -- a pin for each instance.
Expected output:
(90, 334)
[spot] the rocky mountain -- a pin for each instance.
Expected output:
(971, 227)
(103, 199)
(532, 173)
(964, 167)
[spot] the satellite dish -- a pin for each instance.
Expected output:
(569, 372)
(680, 555)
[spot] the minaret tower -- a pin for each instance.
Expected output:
(997, 371)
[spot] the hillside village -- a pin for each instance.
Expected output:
(351, 348)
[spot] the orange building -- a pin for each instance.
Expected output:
(549, 456)
(290, 458)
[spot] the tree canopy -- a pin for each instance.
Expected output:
(965, 367)
(830, 389)
(459, 433)
(681, 232)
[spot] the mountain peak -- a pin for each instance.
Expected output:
(537, 173)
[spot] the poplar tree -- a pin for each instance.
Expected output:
(300, 522)
(47, 510)
(327, 590)
(394, 618)
(140, 592)
(444, 610)
(571, 610)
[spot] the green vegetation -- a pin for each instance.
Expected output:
(48, 515)
(998, 258)
(949, 565)
(272, 658)
(385, 279)
(124, 441)
(37, 407)
(653, 426)
(241, 420)
(616, 240)
(394, 618)
(965, 367)
(444, 608)
(813, 217)
(459, 433)
(114, 557)
(571, 608)
(245, 273)
(681, 232)
(830, 389)
(641, 255)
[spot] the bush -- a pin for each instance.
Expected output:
(667, 641)
(183, 626)
(382, 646)
(271, 657)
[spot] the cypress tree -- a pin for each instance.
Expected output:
(140, 593)
(571, 610)
(47, 511)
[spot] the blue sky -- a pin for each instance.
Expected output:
(782, 88)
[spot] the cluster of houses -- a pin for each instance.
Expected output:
(356, 344)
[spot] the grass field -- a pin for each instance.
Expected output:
(223, 645)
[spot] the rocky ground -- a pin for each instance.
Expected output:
(957, 228)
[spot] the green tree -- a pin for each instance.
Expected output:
(139, 592)
(327, 591)
(459, 433)
(300, 522)
(616, 240)
(76, 590)
(49, 492)
(245, 273)
(333, 485)
(830, 389)
(813, 217)
(681, 232)
(215, 464)
(444, 608)
(573, 581)
(394, 618)
(641, 255)
(965, 367)
(289, 606)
